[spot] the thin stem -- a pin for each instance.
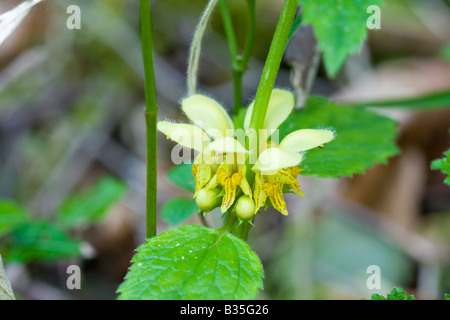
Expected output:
(196, 45)
(251, 23)
(151, 111)
(237, 93)
(272, 64)
(229, 33)
(239, 61)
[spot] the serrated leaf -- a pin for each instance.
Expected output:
(91, 205)
(193, 262)
(6, 292)
(182, 177)
(396, 294)
(399, 294)
(177, 210)
(340, 27)
(377, 296)
(443, 165)
(42, 241)
(11, 215)
(363, 138)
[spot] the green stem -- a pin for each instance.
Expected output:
(229, 33)
(237, 91)
(251, 23)
(242, 230)
(151, 111)
(272, 64)
(239, 62)
(268, 77)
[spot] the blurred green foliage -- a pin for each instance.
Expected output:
(26, 238)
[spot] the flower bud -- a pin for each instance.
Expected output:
(245, 208)
(208, 199)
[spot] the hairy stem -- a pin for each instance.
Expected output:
(196, 46)
(151, 111)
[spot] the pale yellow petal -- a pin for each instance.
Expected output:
(272, 159)
(226, 145)
(280, 106)
(305, 139)
(185, 134)
(208, 114)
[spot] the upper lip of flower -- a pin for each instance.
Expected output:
(288, 153)
(211, 132)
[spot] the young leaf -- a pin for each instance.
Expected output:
(11, 215)
(193, 262)
(177, 210)
(6, 292)
(41, 241)
(362, 138)
(340, 27)
(182, 177)
(91, 205)
(443, 165)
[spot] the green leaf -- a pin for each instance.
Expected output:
(443, 165)
(362, 138)
(91, 205)
(193, 262)
(182, 177)
(399, 294)
(447, 296)
(435, 100)
(396, 294)
(40, 241)
(177, 210)
(340, 27)
(377, 296)
(11, 215)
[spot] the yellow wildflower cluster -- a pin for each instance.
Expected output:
(222, 167)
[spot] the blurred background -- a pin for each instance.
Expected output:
(72, 151)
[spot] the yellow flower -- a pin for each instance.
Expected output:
(212, 136)
(230, 176)
(220, 169)
(277, 166)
